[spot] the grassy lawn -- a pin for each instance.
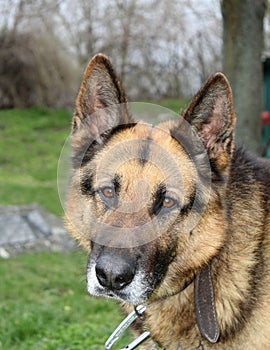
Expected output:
(44, 305)
(30, 143)
(175, 105)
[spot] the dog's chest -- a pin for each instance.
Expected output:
(172, 323)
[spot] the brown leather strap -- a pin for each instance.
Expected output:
(204, 306)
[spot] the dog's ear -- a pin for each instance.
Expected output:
(101, 99)
(211, 114)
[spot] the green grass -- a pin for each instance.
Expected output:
(174, 104)
(44, 305)
(30, 143)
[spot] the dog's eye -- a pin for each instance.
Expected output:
(108, 192)
(168, 202)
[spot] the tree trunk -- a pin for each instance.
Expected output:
(242, 63)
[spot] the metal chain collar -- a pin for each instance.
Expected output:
(138, 312)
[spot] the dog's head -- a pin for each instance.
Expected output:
(147, 201)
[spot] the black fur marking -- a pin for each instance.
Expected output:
(87, 185)
(247, 160)
(217, 177)
(158, 199)
(89, 153)
(117, 183)
(144, 152)
(187, 207)
(115, 130)
(91, 147)
(105, 137)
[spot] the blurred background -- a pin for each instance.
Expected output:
(163, 51)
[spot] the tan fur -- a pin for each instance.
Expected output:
(232, 234)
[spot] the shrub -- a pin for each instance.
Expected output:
(35, 71)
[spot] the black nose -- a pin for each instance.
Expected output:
(114, 272)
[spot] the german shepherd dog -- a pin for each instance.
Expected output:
(174, 216)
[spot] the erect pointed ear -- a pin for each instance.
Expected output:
(100, 89)
(211, 115)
